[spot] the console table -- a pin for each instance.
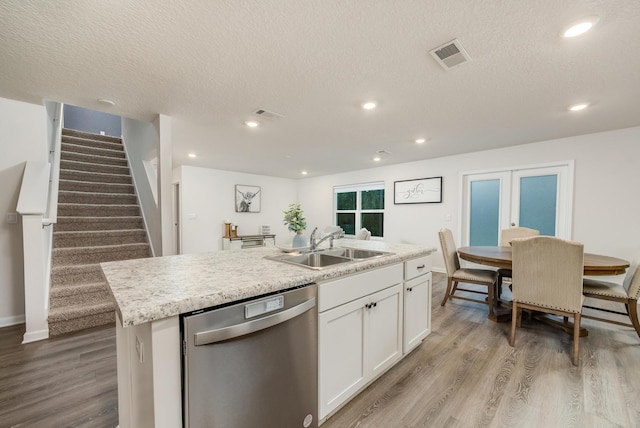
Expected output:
(248, 241)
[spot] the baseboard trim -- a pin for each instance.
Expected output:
(8, 321)
(35, 336)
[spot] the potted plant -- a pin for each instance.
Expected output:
(295, 222)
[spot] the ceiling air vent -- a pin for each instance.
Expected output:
(450, 55)
(269, 115)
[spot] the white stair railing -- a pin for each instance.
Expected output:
(37, 204)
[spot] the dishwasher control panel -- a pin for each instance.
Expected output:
(262, 307)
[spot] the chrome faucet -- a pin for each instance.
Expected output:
(313, 245)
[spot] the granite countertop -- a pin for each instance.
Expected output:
(160, 287)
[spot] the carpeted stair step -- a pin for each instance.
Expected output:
(92, 167)
(91, 142)
(109, 253)
(69, 197)
(84, 294)
(88, 150)
(89, 186)
(76, 274)
(96, 177)
(66, 132)
(93, 159)
(96, 210)
(80, 317)
(96, 238)
(66, 223)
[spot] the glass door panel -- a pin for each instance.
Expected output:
(538, 203)
(484, 212)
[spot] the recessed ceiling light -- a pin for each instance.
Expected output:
(192, 155)
(580, 27)
(304, 173)
(251, 123)
(377, 159)
(420, 140)
(369, 105)
(106, 102)
(578, 107)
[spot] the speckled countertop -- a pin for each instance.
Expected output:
(155, 288)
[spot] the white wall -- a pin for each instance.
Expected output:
(606, 205)
(208, 199)
(23, 137)
(141, 141)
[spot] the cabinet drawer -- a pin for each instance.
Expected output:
(416, 267)
(343, 290)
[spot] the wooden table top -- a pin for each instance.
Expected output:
(594, 264)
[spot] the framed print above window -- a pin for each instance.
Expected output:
(419, 191)
(247, 199)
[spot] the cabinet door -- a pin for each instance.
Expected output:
(417, 311)
(341, 354)
(383, 330)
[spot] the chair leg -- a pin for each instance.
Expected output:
(632, 310)
(576, 339)
(446, 294)
(491, 301)
(514, 321)
(499, 287)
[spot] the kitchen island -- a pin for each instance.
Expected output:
(150, 294)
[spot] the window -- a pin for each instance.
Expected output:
(358, 206)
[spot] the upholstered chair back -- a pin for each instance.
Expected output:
(547, 272)
(631, 281)
(449, 251)
(508, 235)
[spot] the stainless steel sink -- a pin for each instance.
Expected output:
(311, 260)
(354, 253)
(325, 258)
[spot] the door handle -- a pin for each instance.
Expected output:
(225, 333)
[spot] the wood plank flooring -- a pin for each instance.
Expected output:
(464, 374)
(67, 381)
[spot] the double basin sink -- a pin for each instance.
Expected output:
(320, 259)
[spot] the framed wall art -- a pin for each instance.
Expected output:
(247, 199)
(418, 191)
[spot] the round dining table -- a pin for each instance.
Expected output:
(500, 257)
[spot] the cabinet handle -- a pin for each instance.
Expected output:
(367, 306)
(409, 289)
(375, 304)
(420, 267)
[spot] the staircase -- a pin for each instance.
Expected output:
(98, 221)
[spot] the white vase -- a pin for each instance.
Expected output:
(299, 240)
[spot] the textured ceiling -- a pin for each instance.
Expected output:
(210, 64)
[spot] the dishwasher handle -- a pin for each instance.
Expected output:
(226, 333)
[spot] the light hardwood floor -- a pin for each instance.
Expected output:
(464, 374)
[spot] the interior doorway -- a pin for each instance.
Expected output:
(177, 242)
(539, 197)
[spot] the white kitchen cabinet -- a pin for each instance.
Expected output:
(360, 332)
(417, 302)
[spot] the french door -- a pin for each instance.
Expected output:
(538, 197)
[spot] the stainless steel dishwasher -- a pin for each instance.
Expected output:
(253, 364)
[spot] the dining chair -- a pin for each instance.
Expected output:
(506, 236)
(456, 274)
(547, 277)
(627, 293)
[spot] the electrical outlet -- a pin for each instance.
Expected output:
(12, 218)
